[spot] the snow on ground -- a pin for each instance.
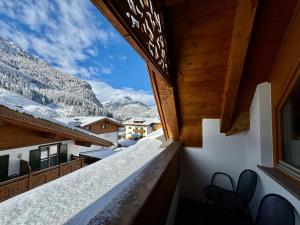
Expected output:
(25, 103)
(99, 154)
(58, 201)
(127, 142)
(12, 104)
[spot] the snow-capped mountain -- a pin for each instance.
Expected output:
(126, 108)
(35, 79)
(8, 97)
(31, 83)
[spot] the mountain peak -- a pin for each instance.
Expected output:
(24, 74)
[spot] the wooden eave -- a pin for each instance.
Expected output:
(48, 128)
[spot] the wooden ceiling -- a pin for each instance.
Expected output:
(219, 52)
(202, 39)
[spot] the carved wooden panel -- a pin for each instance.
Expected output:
(144, 20)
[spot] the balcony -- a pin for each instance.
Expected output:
(30, 180)
(113, 190)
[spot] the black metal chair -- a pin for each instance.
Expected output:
(275, 210)
(236, 199)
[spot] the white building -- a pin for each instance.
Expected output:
(103, 127)
(140, 127)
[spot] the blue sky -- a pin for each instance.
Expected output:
(74, 37)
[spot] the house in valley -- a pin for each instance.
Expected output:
(103, 127)
(31, 143)
(140, 127)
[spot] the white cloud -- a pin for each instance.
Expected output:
(105, 92)
(63, 32)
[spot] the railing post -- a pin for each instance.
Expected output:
(60, 169)
(81, 162)
(30, 180)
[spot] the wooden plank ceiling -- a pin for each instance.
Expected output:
(201, 34)
(219, 51)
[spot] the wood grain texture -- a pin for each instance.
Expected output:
(166, 104)
(270, 27)
(221, 51)
(201, 33)
(244, 18)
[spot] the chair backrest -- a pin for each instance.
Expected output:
(275, 210)
(247, 185)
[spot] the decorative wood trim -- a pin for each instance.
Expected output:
(109, 10)
(166, 104)
(243, 24)
(157, 100)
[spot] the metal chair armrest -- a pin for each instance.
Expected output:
(226, 175)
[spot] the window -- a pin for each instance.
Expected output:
(290, 129)
(46, 156)
(63, 153)
(129, 128)
(53, 155)
(88, 128)
(103, 125)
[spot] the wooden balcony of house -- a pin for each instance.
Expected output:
(29, 179)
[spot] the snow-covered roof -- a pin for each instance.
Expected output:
(36, 119)
(86, 120)
(99, 154)
(142, 121)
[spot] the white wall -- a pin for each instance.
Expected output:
(113, 137)
(260, 148)
(219, 153)
(235, 153)
(14, 162)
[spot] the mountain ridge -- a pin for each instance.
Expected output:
(29, 76)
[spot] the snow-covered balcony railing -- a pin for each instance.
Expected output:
(110, 191)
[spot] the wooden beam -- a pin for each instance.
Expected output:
(243, 24)
(83, 143)
(166, 104)
(49, 135)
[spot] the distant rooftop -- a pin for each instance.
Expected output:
(38, 121)
(86, 120)
(142, 121)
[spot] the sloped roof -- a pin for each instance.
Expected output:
(87, 120)
(35, 121)
(142, 121)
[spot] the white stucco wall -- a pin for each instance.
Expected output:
(129, 130)
(219, 153)
(259, 147)
(14, 162)
(235, 153)
(113, 137)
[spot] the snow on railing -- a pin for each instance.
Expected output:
(96, 194)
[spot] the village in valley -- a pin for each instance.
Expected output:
(52, 124)
(68, 144)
